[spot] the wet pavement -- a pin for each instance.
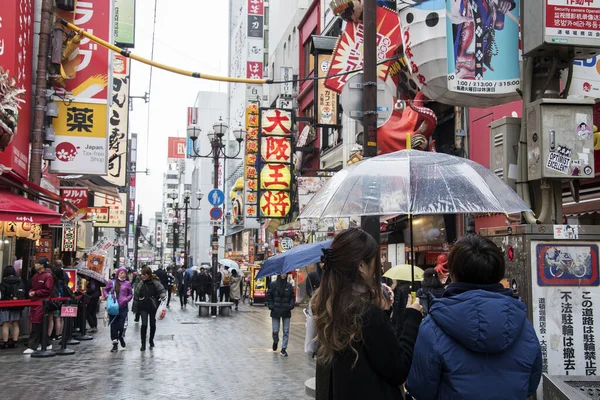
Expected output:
(194, 358)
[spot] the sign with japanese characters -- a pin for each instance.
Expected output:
(572, 21)
(90, 84)
(254, 70)
(98, 214)
(256, 7)
(348, 53)
(255, 26)
(492, 68)
(275, 175)
(124, 24)
(78, 196)
(81, 145)
(118, 122)
(16, 51)
(117, 210)
(250, 161)
(326, 98)
(565, 298)
(69, 238)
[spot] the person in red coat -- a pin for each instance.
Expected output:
(42, 284)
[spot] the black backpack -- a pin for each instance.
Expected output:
(13, 291)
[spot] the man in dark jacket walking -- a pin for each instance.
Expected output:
(183, 284)
(204, 286)
(162, 276)
(280, 300)
(476, 341)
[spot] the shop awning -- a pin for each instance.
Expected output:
(14, 180)
(16, 208)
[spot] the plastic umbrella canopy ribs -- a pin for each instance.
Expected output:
(413, 182)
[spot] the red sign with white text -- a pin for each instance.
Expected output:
(78, 196)
(177, 147)
(254, 70)
(256, 7)
(16, 49)
(90, 84)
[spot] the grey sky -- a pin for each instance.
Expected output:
(192, 35)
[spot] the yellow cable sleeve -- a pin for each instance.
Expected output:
(127, 53)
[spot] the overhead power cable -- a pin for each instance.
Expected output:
(199, 75)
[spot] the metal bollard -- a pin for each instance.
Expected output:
(64, 351)
(83, 322)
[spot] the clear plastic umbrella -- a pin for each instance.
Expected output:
(413, 182)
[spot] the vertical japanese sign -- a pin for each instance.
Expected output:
(124, 23)
(69, 238)
(16, 49)
(326, 98)
(563, 299)
(251, 162)
(256, 10)
(81, 126)
(192, 118)
(493, 66)
(119, 122)
(275, 152)
(286, 75)
(348, 55)
(78, 196)
(117, 217)
(131, 196)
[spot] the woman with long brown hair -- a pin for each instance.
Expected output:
(359, 356)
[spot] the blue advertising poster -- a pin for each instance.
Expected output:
(483, 46)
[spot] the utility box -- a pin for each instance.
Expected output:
(554, 270)
(505, 134)
(561, 28)
(560, 139)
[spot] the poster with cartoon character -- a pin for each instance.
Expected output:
(483, 46)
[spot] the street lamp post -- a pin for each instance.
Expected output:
(186, 200)
(217, 151)
(173, 196)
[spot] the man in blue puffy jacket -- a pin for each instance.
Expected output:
(476, 342)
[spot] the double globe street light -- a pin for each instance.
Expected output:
(187, 194)
(218, 150)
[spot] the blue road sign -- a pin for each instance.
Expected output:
(216, 197)
(216, 213)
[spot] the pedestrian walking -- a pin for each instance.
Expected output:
(431, 288)
(225, 289)
(204, 284)
(149, 293)
(477, 341)
(169, 287)
(195, 283)
(120, 287)
(313, 281)
(359, 356)
(42, 284)
(183, 284)
(93, 292)
(11, 288)
(280, 300)
(236, 288)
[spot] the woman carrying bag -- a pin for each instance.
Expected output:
(148, 295)
(118, 291)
